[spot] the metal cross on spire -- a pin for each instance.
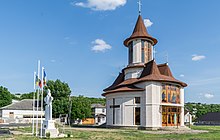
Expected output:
(167, 57)
(139, 6)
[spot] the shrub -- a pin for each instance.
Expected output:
(48, 134)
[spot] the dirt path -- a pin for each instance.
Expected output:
(190, 131)
(93, 129)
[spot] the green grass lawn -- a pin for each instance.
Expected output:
(119, 134)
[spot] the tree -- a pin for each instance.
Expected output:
(198, 109)
(60, 106)
(5, 97)
(28, 95)
(101, 101)
(60, 92)
(14, 97)
(59, 89)
(81, 107)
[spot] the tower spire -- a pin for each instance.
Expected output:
(167, 57)
(139, 6)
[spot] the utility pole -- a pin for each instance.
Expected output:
(70, 108)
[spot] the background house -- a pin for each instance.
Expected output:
(99, 113)
(187, 118)
(19, 112)
(211, 118)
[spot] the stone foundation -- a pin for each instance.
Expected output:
(49, 127)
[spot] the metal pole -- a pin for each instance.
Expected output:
(33, 104)
(37, 99)
(70, 107)
(42, 94)
(189, 119)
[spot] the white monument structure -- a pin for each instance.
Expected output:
(48, 123)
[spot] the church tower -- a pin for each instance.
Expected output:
(140, 44)
(140, 49)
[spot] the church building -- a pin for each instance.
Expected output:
(145, 94)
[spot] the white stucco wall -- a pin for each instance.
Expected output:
(124, 116)
(137, 51)
(97, 111)
(133, 73)
(100, 111)
(151, 106)
(182, 107)
(18, 113)
(18, 116)
(188, 118)
(102, 120)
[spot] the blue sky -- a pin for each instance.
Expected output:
(81, 42)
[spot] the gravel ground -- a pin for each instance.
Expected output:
(176, 132)
(173, 131)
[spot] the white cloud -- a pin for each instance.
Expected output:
(101, 5)
(197, 57)
(147, 23)
(212, 80)
(52, 61)
(208, 95)
(79, 4)
(66, 38)
(100, 46)
(182, 75)
(72, 43)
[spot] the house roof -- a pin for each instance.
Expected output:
(211, 116)
(140, 31)
(151, 72)
(25, 104)
(186, 111)
(97, 106)
(100, 115)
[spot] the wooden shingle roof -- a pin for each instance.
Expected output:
(140, 31)
(151, 72)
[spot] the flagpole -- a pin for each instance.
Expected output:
(42, 94)
(37, 99)
(33, 103)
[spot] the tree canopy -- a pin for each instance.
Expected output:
(60, 92)
(81, 107)
(14, 97)
(28, 95)
(62, 102)
(198, 109)
(5, 97)
(59, 89)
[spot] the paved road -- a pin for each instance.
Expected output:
(13, 125)
(4, 132)
(4, 128)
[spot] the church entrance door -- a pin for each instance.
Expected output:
(137, 115)
(170, 116)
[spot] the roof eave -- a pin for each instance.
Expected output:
(128, 40)
(111, 92)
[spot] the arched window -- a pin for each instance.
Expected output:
(130, 55)
(149, 51)
(142, 51)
